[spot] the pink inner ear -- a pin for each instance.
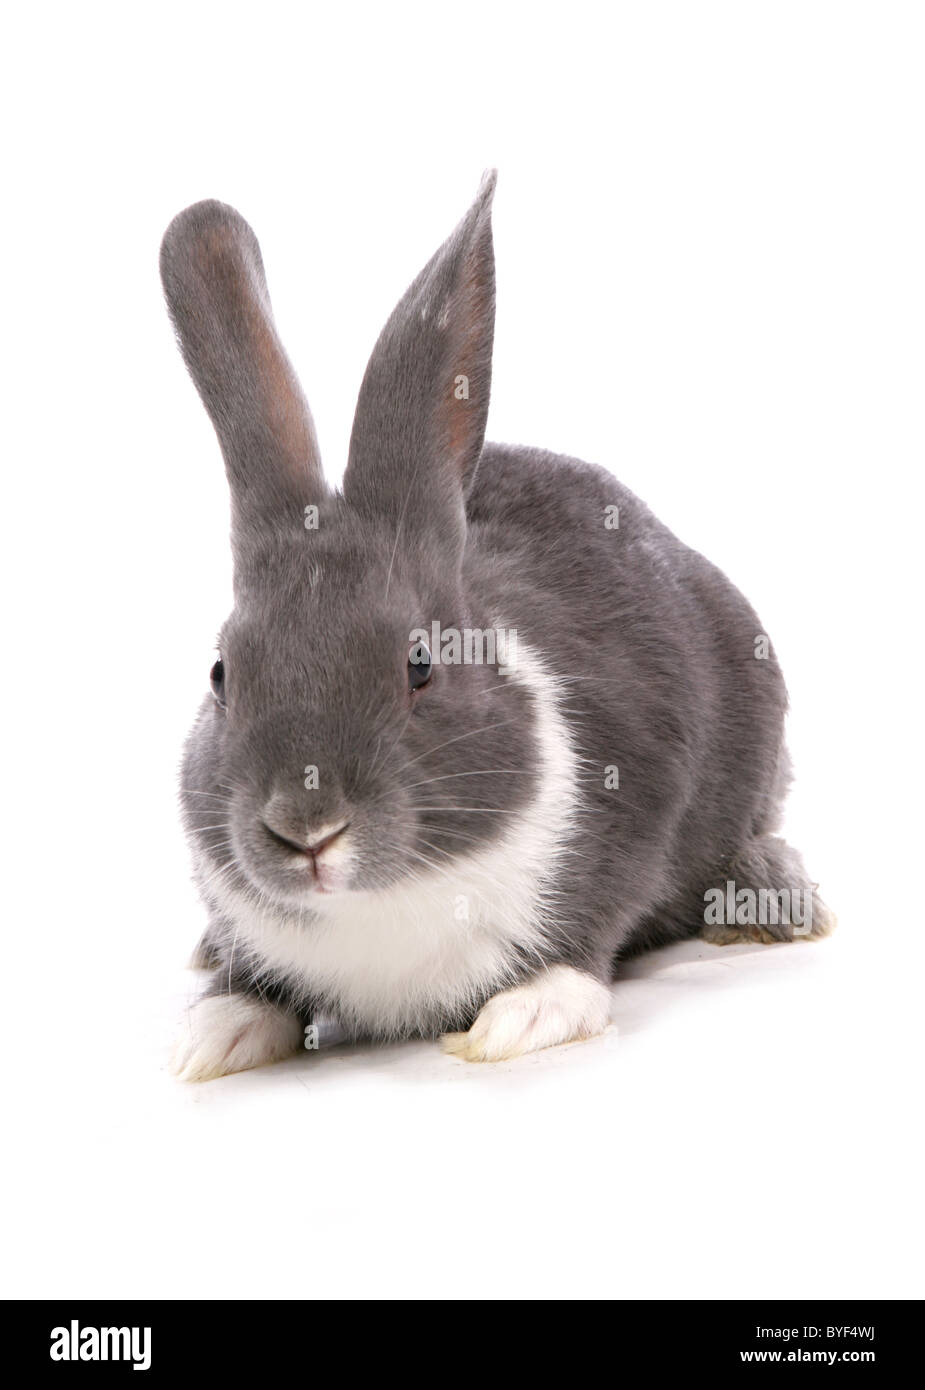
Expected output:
(286, 411)
(458, 423)
(268, 385)
(463, 420)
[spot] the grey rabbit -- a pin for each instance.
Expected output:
(480, 726)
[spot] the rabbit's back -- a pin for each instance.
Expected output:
(670, 684)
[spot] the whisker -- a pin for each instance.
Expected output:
(458, 739)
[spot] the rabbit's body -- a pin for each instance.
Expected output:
(476, 850)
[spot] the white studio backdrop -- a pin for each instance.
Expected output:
(709, 232)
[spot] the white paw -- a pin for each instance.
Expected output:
(561, 1005)
(231, 1032)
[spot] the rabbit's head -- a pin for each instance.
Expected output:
(344, 746)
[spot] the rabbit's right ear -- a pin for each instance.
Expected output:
(217, 296)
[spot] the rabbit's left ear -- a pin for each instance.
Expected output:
(423, 406)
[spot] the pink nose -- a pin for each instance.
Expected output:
(327, 837)
(312, 845)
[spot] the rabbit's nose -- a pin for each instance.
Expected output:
(324, 836)
(312, 841)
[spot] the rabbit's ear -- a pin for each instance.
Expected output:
(217, 296)
(423, 405)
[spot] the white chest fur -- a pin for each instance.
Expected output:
(409, 957)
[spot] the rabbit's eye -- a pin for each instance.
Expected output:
(420, 666)
(217, 681)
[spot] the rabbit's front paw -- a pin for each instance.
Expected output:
(231, 1032)
(561, 1005)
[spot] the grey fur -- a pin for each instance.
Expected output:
(653, 645)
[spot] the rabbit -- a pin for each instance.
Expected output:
(479, 728)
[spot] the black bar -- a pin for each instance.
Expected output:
(289, 1337)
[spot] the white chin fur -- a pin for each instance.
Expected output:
(561, 1005)
(230, 1032)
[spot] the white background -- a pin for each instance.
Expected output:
(710, 241)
